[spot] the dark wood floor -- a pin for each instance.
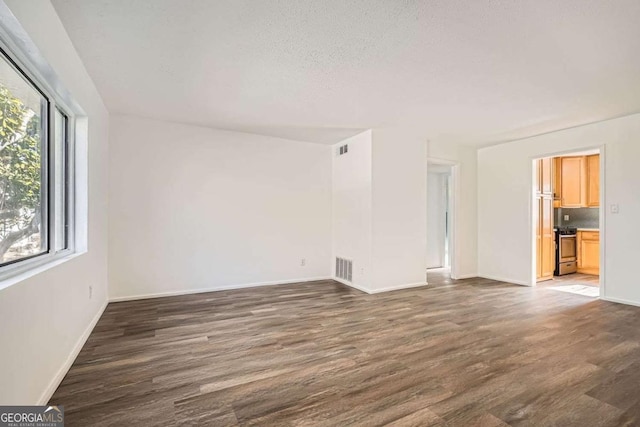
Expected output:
(459, 353)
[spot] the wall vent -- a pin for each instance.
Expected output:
(344, 269)
(343, 149)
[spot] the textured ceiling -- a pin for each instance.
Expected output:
(466, 71)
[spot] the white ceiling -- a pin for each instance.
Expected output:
(466, 71)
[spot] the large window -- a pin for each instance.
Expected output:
(35, 176)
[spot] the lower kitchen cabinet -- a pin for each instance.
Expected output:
(589, 252)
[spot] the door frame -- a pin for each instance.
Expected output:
(602, 209)
(454, 201)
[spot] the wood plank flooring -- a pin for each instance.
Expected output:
(458, 353)
(573, 279)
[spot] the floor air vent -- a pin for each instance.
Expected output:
(344, 269)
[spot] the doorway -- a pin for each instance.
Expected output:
(439, 217)
(567, 224)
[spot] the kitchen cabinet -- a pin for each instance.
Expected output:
(546, 176)
(545, 244)
(589, 252)
(593, 181)
(546, 260)
(576, 181)
(573, 190)
(557, 182)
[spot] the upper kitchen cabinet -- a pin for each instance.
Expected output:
(577, 181)
(593, 180)
(573, 189)
(544, 176)
(557, 182)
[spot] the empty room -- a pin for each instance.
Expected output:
(319, 213)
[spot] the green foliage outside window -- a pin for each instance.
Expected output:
(20, 173)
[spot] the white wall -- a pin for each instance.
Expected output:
(399, 206)
(465, 192)
(44, 318)
(194, 208)
(436, 219)
(379, 209)
(504, 201)
(351, 207)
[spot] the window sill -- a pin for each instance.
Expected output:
(33, 270)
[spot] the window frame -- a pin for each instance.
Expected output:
(27, 70)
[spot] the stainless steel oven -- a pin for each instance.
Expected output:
(566, 251)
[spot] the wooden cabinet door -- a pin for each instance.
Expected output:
(548, 254)
(545, 245)
(546, 176)
(573, 186)
(557, 181)
(538, 176)
(593, 180)
(539, 251)
(589, 252)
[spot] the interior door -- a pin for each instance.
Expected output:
(436, 219)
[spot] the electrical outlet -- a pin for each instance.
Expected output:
(303, 262)
(615, 208)
(566, 217)
(90, 292)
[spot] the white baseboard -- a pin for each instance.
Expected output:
(57, 379)
(217, 288)
(503, 279)
(465, 276)
(378, 291)
(399, 287)
(351, 285)
(621, 301)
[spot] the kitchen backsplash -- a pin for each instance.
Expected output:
(578, 217)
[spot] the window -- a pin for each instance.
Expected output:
(35, 172)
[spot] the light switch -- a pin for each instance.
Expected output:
(615, 208)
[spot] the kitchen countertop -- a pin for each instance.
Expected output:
(588, 229)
